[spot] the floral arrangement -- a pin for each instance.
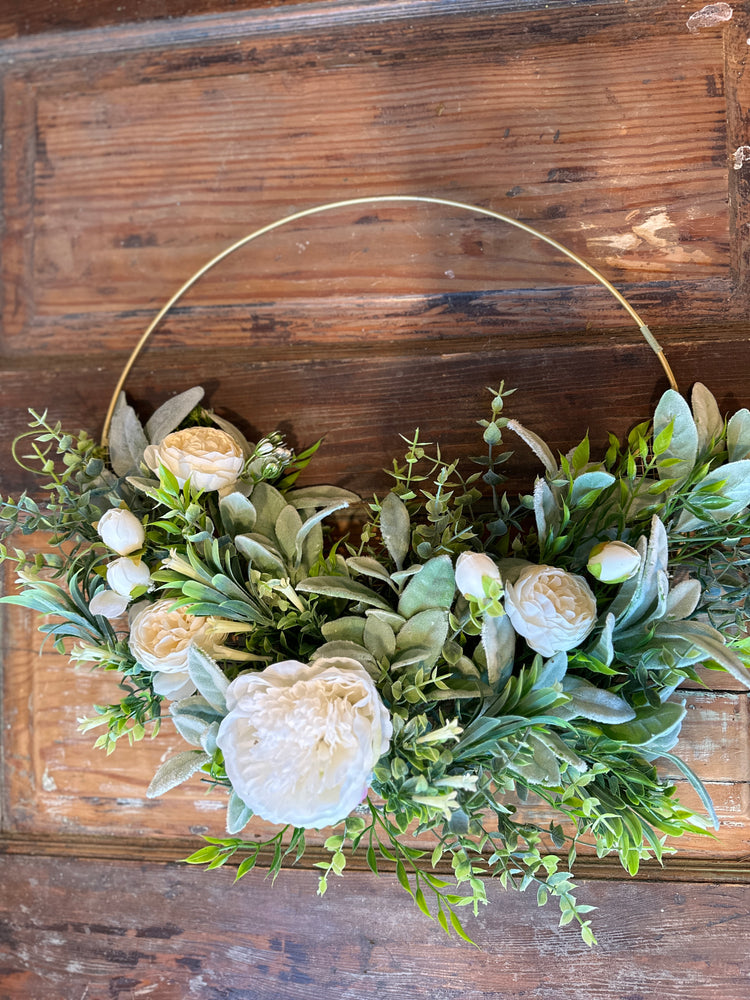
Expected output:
(457, 651)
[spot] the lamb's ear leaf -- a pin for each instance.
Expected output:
(593, 703)
(127, 441)
(678, 461)
(395, 528)
(171, 414)
(208, 678)
(176, 770)
(738, 436)
(238, 814)
(708, 420)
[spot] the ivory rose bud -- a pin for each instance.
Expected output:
(301, 740)
(124, 575)
(210, 458)
(471, 568)
(553, 610)
(108, 604)
(121, 531)
(160, 636)
(613, 562)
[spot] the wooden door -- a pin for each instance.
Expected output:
(138, 140)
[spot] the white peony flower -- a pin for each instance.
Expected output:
(108, 604)
(121, 531)
(613, 562)
(160, 637)
(210, 458)
(301, 740)
(471, 568)
(553, 610)
(124, 575)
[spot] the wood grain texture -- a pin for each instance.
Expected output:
(62, 937)
(132, 151)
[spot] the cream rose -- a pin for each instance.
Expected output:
(210, 458)
(471, 568)
(553, 610)
(301, 740)
(161, 636)
(121, 531)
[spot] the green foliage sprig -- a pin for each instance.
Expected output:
(489, 708)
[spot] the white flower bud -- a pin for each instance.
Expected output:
(613, 562)
(471, 568)
(121, 531)
(108, 604)
(124, 575)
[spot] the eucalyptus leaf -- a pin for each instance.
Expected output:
(171, 414)
(395, 528)
(683, 447)
(176, 770)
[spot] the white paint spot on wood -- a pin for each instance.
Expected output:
(657, 232)
(742, 154)
(48, 782)
(709, 16)
(620, 241)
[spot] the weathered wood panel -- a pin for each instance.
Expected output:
(117, 931)
(131, 153)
